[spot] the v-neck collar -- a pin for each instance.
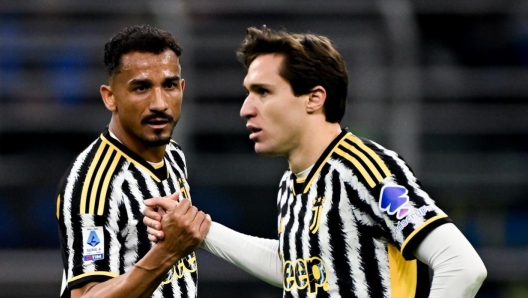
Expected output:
(158, 174)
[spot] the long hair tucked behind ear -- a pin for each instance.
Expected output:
(310, 60)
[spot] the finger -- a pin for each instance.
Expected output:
(151, 213)
(151, 202)
(152, 238)
(191, 213)
(164, 203)
(161, 212)
(174, 196)
(198, 220)
(206, 224)
(202, 221)
(182, 208)
(155, 233)
(150, 223)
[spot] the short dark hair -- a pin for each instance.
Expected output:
(310, 60)
(139, 38)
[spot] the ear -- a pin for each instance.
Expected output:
(316, 99)
(108, 97)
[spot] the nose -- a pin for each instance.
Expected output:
(158, 102)
(248, 109)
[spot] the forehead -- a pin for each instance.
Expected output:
(264, 69)
(139, 62)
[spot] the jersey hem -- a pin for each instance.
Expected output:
(83, 279)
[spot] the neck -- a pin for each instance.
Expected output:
(312, 145)
(150, 154)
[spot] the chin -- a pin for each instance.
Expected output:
(261, 150)
(157, 141)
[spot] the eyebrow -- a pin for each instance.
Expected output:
(143, 81)
(258, 86)
(173, 78)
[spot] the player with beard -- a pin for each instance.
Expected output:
(105, 247)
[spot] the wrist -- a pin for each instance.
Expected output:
(166, 253)
(160, 257)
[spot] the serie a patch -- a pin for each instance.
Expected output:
(93, 240)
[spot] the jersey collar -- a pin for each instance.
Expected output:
(158, 174)
(322, 160)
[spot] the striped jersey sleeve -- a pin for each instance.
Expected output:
(408, 213)
(85, 232)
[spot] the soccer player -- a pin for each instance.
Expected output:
(353, 220)
(105, 248)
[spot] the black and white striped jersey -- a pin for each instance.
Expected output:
(99, 212)
(348, 229)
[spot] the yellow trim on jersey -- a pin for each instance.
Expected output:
(97, 180)
(300, 180)
(111, 274)
(88, 178)
(307, 187)
(137, 164)
(370, 152)
(158, 165)
(58, 206)
(106, 183)
(365, 160)
(403, 274)
(425, 224)
(358, 165)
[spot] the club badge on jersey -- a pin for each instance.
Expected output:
(93, 240)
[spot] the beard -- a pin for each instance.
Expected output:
(157, 141)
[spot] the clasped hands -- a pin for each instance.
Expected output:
(182, 226)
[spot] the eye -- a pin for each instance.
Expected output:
(140, 88)
(262, 91)
(171, 85)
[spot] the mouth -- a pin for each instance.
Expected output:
(157, 120)
(158, 123)
(254, 131)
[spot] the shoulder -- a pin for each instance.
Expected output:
(83, 160)
(174, 148)
(173, 145)
(360, 157)
(392, 160)
(73, 185)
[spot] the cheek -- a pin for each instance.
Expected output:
(276, 113)
(283, 116)
(131, 112)
(175, 102)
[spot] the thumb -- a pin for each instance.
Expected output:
(165, 203)
(174, 196)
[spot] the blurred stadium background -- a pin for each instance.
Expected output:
(444, 83)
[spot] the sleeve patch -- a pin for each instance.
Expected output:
(93, 240)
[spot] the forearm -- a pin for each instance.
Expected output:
(458, 269)
(257, 256)
(140, 281)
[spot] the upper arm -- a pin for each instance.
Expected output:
(458, 269)
(88, 244)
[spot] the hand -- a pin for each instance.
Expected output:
(153, 214)
(184, 226)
